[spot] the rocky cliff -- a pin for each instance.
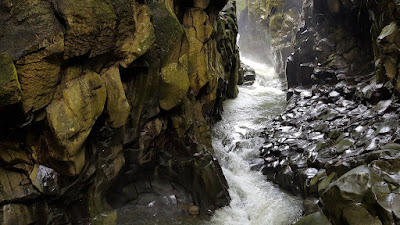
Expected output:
(267, 30)
(337, 143)
(109, 103)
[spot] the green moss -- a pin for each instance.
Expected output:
(241, 5)
(174, 85)
(276, 4)
(326, 181)
(275, 23)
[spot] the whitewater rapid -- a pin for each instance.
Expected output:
(236, 141)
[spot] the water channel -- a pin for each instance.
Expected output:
(236, 141)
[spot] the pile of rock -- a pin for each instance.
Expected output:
(338, 145)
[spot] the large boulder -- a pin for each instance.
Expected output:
(172, 41)
(363, 196)
(198, 30)
(28, 27)
(174, 85)
(38, 81)
(72, 116)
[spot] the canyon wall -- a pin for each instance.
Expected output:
(108, 103)
(335, 38)
(337, 143)
(268, 29)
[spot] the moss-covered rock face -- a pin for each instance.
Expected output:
(10, 88)
(173, 47)
(131, 47)
(117, 106)
(174, 85)
(111, 103)
(89, 26)
(72, 117)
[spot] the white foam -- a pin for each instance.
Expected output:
(236, 141)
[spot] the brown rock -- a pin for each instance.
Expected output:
(38, 82)
(117, 106)
(39, 73)
(10, 89)
(15, 186)
(202, 4)
(133, 46)
(20, 214)
(194, 210)
(72, 116)
(90, 27)
(390, 67)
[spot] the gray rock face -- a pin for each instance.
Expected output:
(338, 142)
(247, 75)
(335, 140)
(327, 40)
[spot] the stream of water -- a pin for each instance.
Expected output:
(236, 141)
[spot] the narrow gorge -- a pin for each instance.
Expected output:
(144, 112)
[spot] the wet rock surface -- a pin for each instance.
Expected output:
(339, 143)
(267, 31)
(247, 75)
(107, 108)
(342, 116)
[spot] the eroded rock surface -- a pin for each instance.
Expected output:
(107, 107)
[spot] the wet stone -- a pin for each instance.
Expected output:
(325, 134)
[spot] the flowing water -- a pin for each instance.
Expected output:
(236, 141)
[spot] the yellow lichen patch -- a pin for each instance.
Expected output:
(10, 88)
(72, 116)
(174, 85)
(136, 45)
(117, 106)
